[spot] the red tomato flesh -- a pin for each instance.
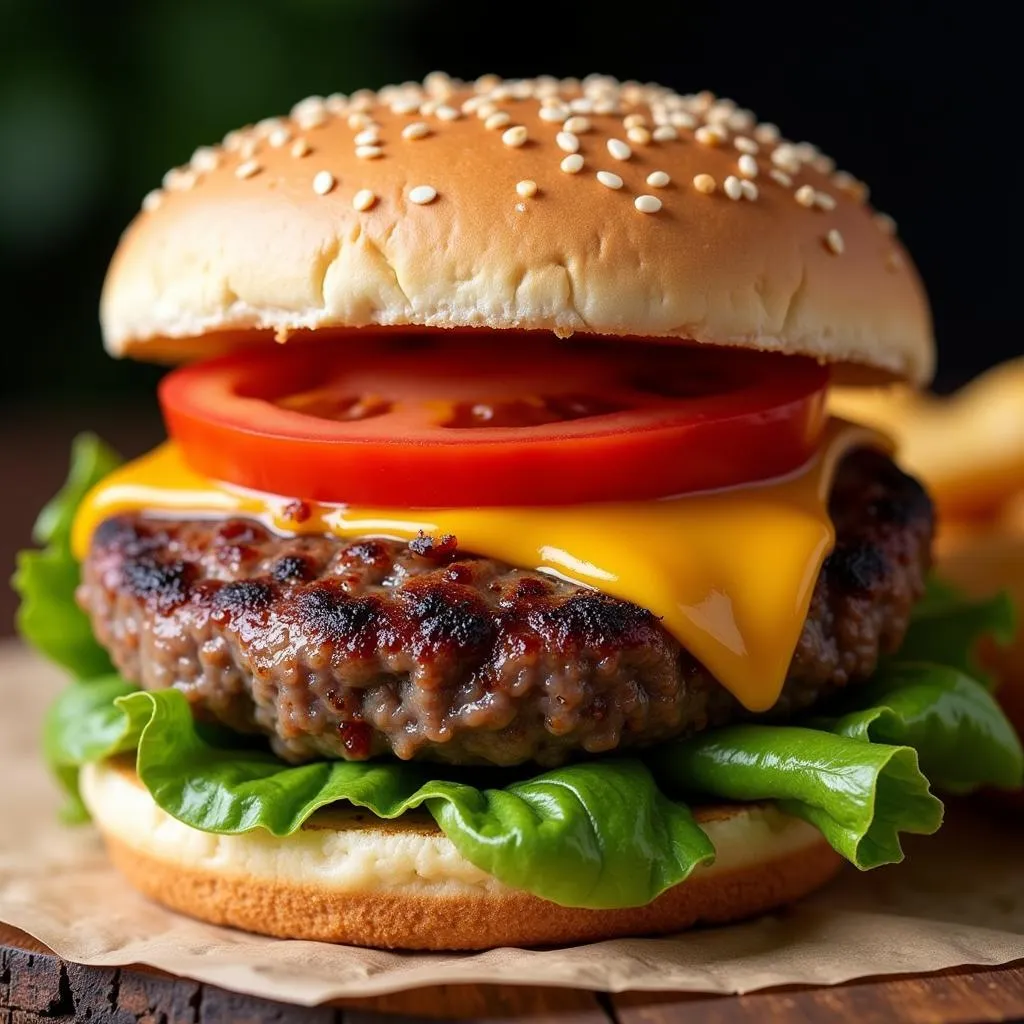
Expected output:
(494, 419)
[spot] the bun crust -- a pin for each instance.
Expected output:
(417, 207)
(403, 886)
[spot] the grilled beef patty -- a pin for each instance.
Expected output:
(349, 649)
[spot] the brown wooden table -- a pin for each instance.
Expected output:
(37, 987)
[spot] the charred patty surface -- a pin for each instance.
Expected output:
(349, 649)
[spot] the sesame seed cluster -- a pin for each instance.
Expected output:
(594, 128)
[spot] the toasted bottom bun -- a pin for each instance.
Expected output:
(349, 877)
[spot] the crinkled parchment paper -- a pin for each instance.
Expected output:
(957, 899)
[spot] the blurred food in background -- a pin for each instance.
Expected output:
(969, 448)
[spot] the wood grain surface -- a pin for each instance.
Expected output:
(37, 987)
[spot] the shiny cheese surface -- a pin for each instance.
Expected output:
(729, 573)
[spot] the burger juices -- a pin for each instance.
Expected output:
(524, 591)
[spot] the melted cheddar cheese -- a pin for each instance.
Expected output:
(730, 573)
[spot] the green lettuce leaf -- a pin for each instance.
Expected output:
(859, 795)
(598, 834)
(48, 617)
(959, 731)
(84, 724)
(946, 626)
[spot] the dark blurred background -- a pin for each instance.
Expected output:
(98, 99)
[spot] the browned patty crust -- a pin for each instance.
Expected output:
(349, 649)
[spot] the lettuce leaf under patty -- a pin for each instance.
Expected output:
(48, 617)
(613, 832)
(606, 833)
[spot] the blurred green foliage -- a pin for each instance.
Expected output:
(99, 97)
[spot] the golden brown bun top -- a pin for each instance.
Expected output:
(968, 447)
(564, 205)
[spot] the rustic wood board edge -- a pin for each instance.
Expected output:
(36, 986)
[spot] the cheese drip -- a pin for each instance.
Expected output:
(730, 573)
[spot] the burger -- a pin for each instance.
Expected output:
(504, 579)
(969, 447)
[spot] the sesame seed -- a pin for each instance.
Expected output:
(704, 183)
(152, 200)
(429, 107)
(747, 165)
(807, 151)
(279, 137)
(647, 204)
(568, 142)
(823, 164)
(824, 201)
(664, 133)
(422, 194)
(710, 135)
(363, 200)
(498, 119)
(835, 242)
(749, 189)
(232, 141)
(683, 119)
(581, 105)
(733, 188)
(247, 150)
(606, 107)
(526, 188)
(720, 112)
(740, 120)
(781, 177)
(785, 156)
(850, 185)
(767, 133)
(485, 110)
(658, 179)
(572, 164)
(336, 103)
(804, 195)
(267, 125)
(514, 136)
(554, 115)
(885, 223)
(310, 112)
(204, 159)
(248, 169)
(634, 121)
(300, 147)
(403, 108)
(619, 149)
(369, 152)
(362, 99)
(367, 137)
(609, 179)
(641, 136)
(323, 182)
(416, 130)
(745, 145)
(577, 125)
(447, 113)
(359, 120)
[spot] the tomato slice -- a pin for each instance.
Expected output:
(494, 419)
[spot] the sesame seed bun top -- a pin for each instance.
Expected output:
(572, 206)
